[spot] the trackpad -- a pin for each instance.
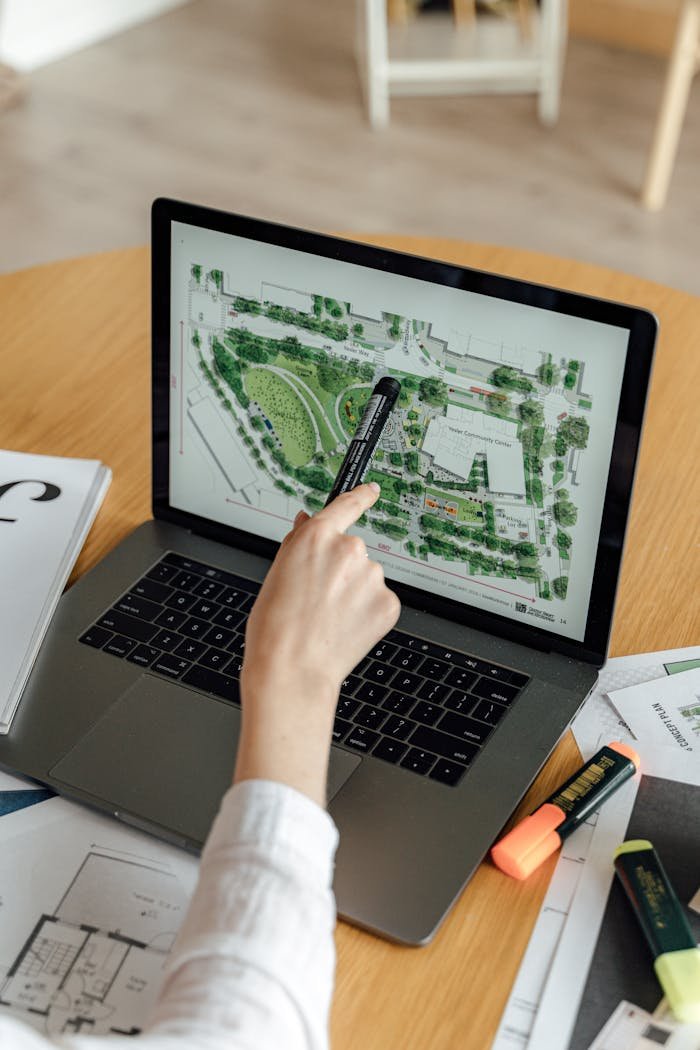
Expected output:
(166, 753)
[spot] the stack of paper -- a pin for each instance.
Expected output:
(47, 505)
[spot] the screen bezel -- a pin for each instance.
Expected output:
(642, 327)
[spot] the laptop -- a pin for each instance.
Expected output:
(506, 472)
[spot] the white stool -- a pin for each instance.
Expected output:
(533, 66)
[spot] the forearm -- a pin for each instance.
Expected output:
(255, 956)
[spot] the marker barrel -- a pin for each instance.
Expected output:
(536, 837)
(361, 448)
(665, 927)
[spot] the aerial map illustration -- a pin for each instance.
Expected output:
(478, 465)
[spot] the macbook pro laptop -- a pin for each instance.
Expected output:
(506, 472)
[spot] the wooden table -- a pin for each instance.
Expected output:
(75, 382)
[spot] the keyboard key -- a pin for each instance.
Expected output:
(406, 660)
(248, 603)
(141, 607)
(95, 636)
(443, 745)
(434, 692)
(171, 618)
(180, 600)
(369, 716)
(350, 684)
(371, 693)
(161, 572)
(461, 702)
(216, 659)
(155, 592)
(460, 678)
(397, 727)
(219, 637)
(167, 640)
(194, 628)
(205, 609)
(436, 669)
(231, 598)
(377, 672)
(489, 712)
(361, 666)
(186, 581)
(190, 649)
(418, 761)
(132, 627)
(399, 703)
(229, 618)
(419, 645)
(361, 739)
(237, 645)
(220, 685)
(209, 589)
(171, 666)
(465, 728)
(518, 679)
(347, 707)
(498, 691)
(119, 646)
(382, 651)
(500, 674)
(340, 730)
(406, 683)
(389, 750)
(234, 668)
(426, 713)
(447, 772)
(143, 655)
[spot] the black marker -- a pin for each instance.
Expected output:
(361, 448)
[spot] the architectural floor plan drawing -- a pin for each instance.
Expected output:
(95, 961)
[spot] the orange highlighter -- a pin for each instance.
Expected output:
(536, 837)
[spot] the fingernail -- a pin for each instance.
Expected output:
(374, 486)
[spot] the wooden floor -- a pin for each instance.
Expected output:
(254, 106)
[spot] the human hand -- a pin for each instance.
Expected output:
(323, 604)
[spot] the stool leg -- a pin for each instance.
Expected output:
(463, 12)
(681, 69)
(376, 62)
(553, 28)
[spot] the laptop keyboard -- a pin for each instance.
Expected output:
(410, 702)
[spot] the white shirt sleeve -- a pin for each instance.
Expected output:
(252, 967)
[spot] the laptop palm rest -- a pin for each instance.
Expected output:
(167, 753)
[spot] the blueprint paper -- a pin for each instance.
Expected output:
(631, 1028)
(664, 712)
(89, 911)
(521, 1009)
(598, 717)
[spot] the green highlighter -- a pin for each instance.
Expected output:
(676, 955)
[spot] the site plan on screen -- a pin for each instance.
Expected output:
(478, 465)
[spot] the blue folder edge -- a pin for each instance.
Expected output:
(11, 801)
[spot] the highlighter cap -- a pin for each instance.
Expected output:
(679, 976)
(529, 844)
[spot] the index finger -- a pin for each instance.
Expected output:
(349, 506)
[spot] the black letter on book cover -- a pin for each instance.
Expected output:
(50, 491)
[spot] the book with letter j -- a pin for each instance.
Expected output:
(47, 505)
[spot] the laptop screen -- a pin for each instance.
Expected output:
(493, 466)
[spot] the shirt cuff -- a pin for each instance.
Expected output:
(268, 814)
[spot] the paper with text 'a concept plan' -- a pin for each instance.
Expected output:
(631, 1028)
(664, 712)
(521, 1012)
(89, 911)
(47, 505)
(599, 719)
(561, 998)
